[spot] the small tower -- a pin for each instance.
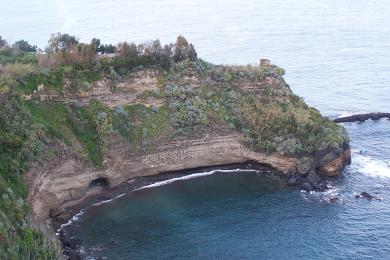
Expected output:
(264, 63)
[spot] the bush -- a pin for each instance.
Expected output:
(104, 130)
(141, 125)
(12, 75)
(9, 55)
(187, 110)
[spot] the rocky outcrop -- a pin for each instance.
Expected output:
(69, 177)
(362, 117)
(333, 168)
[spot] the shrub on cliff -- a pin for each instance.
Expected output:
(100, 118)
(104, 130)
(10, 55)
(13, 75)
(289, 128)
(141, 125)
(19, 144)
(187, 109)
(271, 121)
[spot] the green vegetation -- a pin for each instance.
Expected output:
(20, 144)
(275, 121)
(70, 123)
(141, 125)
(9, 55)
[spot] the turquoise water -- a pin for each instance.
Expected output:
(337, 56)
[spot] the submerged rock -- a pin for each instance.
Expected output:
(334, 199)
(306, 186)
(366, 195)
(292, 182)
(74, 255)
(71, 243)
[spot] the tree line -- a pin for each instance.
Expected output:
(65, 49)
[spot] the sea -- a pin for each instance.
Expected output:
(337, 57)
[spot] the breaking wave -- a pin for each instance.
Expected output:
(74, 219)
(191, 176)
(370, 166)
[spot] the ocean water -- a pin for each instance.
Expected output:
(337, 56)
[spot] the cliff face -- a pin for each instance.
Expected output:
(194, 115)
(67, 178)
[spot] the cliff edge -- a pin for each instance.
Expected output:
(195, 114)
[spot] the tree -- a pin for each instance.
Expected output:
(166, 58)
(181, 48)
(184, 50)
(3, 42)
(128, 51)
(59, 42)
(192, 55)
(86, 53)
(107, 48)
(23, 45)
(96, 43)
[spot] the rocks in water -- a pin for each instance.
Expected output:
(72, 243)
(293, 178)
(74, 255)
(292, 182)
(334, 199)
(306, 186)
(366, 195)
(362, 117)
(71, 248)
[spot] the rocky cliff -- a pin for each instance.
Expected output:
(75, 123)
(194, 115)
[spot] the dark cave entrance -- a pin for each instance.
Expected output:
(101, 182)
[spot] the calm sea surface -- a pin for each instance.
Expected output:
(337, 56)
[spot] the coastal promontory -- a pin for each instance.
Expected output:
(84, 115)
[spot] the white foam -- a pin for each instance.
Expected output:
(371, 166)
(107, 201)
(350, 113)
(323, 196)
(191, 176)
(71, 221)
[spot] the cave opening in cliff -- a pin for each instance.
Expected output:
(101, 182)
